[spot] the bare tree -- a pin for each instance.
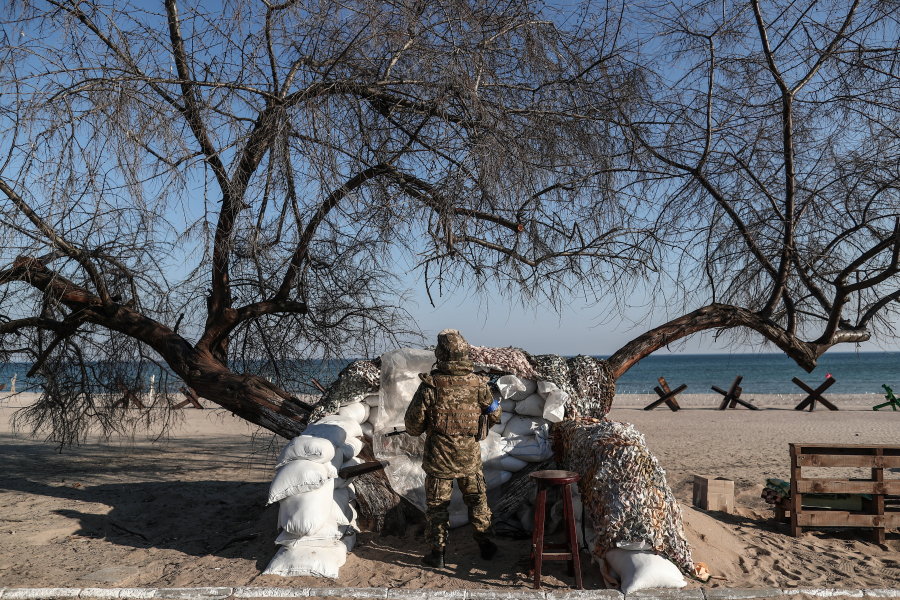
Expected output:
(767, 144)
(228, 192)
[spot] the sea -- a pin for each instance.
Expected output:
(854, 373)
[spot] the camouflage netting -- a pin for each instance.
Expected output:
(623, 488)
(587, 380)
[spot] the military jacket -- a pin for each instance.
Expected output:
(449, 456)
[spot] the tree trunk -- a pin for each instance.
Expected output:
(714, 316)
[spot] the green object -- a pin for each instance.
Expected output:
(892, 400)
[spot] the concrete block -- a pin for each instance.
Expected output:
(348, 592)
(506, 595)
(100, 593)
(883, 593)
(586, 595)
(447, 594)
(666, 594)
(740, 593)
(825, 592)
(137, 593)
(1, 591)
(40, 593)
(272, 592)
(198, 593)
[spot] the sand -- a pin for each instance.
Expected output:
(190, 512)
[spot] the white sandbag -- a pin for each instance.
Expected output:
(358, 411)
(642, 570)
(306, 447)
(345, 513)
(505, 417)
(530, 448)
(554, 401)
(308, 561)
(372, 400)
(509, 385)
(530, 387)
(521, 425)
(299, 476)
(324, 537)
(368, 429)
(505, 476)
(373, 415)
(352, 427)
(508, 406)
(351, 448)
(513, 464)
(334, 433)
(337, 463)
(532, 406)
(306, 513)
(494, 480)
(498, 428)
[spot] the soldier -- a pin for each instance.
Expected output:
(447, 406)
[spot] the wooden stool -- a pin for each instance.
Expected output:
(543, 479)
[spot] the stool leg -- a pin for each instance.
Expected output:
(572, 537)
(568, 518)
(538, 549)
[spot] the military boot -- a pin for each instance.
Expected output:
(435, 559)
(488, 549)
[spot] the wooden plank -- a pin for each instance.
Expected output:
(845, 486)
(836, 518)
(366, 467)
(855, 447)
(556, 556)
(878, 500)
(796, 507)
(848, 460)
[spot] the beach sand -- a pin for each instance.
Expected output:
(190, 511)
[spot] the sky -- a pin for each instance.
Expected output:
(580, 329)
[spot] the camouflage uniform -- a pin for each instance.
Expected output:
(446, 406)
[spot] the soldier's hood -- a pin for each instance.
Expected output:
(455, 367)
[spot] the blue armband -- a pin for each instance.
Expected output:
(492, 407)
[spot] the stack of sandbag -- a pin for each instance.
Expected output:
(316, 511)
(529, 407)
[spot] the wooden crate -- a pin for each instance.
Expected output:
(873, 515)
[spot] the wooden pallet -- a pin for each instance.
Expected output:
(873, 515)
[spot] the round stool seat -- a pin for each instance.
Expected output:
(554, 477)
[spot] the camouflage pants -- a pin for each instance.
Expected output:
(437, 514)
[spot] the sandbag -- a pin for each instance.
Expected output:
(349, 541)
(308, 561)
(642, 570)
(299, 476)
(306, 513)
(530, 448)
(358, 411)
(337, 463)
(532, 406)
(508, 406)
(505, 417)
(521, 425)
(351, 448)
(372, 400)
(509, 385)
(345, 513)
(332, 432)
(352, 427)
(512, 464)
(526, 517)
(324, 537)
(306, 447)
(374, 412)
(368, 429)
(530, 387)
(554, 401)
(498, 428)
